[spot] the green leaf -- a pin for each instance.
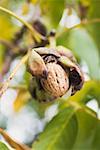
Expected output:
(52, 11)
(58, 132)
(7, 28)
(3, 146)
(88, 131)
(94, 28)
(71, 129)
(90, 90)
(2, 53)
(84, 47)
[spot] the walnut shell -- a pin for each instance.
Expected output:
(57, 82)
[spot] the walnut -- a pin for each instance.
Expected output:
(57, 82)
(56, 72)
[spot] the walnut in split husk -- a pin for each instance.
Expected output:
(55, 71)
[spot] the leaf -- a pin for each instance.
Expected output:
(22, 98)
(7, 26)
(2, 52)
(3, 146)
(58, 132)
(83, 46)
(7, 29)
(52, 11)
(71, 129)
(90, 90)
(88, 131)
(94, 12)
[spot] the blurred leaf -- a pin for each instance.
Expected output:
(7, 29)
(2, 52)
(91, 89)
(3, 146)
(25, 8)
(52, 10)
(7, 26)
(34, 1)
(83, 46)
(71, 129)
(94, 12)
(22, 98)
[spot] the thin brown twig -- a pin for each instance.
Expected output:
(6, 83)
(6, 43)
(13, 143)
(20, 86)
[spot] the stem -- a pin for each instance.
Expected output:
(52, 42)
(51, 38)
(35, 34)
(7, 82)
(12, 142)
(20, 86)
(6, 43)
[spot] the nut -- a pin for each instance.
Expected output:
(57, 82)
(55, 71)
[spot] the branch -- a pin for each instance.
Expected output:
(12, 142)
(7, 82)
(37, 36)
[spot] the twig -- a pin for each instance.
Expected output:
(8, 44)
(35, 34)
(12, 142)
(51, 38)
(6, 83)
(19, 86)
(84, 22)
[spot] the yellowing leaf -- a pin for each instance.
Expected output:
(25, 8)
(2, 52)
(34, 1)
(7, 29)
(21, 100)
